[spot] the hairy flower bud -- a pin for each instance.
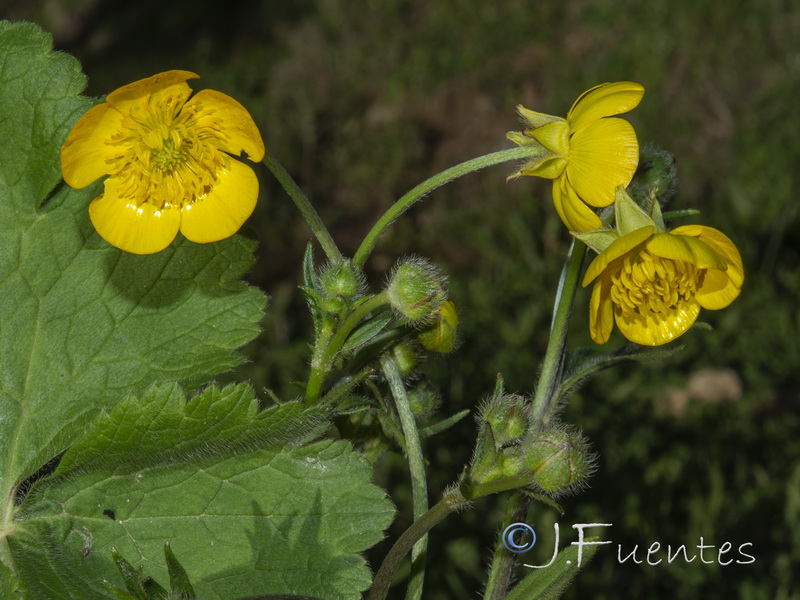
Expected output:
(341, 280)
(442, 335)
(423, 399)
(507, 416)
(417, 290)
(406, 358)
(559, 460)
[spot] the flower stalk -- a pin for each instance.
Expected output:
(416, 465)
(438, 180)
(304, 206)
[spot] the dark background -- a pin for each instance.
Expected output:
(362, 100)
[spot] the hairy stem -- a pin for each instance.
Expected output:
(503, 560)
(305, 207)
(452, 501)
(416, 464)
(416, 194)
(556, 346)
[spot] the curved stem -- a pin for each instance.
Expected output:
(411, 197)
(554, 355)
(304, 205)
(416, 464)
(451, 502)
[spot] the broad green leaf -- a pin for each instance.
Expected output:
(550, 583)
(82, 324)
(251, 513)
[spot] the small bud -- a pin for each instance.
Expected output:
(507, 416)
(417, 290)
(442, 335)
(424, 399)
(406, 358)
(341, 280)
(559, 460)
(656, 176)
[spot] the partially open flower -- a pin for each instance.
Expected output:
(653, 284)
(170, 163)
(592, 152)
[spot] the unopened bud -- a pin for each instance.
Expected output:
(423, 399)
(406, 358)
(656, 176)
(417, 290)
(442, 335)
(507, 416)
(559, 461)
(341, 280)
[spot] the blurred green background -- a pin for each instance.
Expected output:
(362, 100)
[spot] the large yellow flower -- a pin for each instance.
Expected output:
(169, 163)
(653, 284)
(592, 152)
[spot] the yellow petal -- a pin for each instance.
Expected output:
(604, 100)
(617, 249)
(139, 230)
(685, 248)
(574, 213)
(602, 157)
(654, 329)
(721, 244)
(221, 112)
(601, 313)
(222, 211)
(717, 291)
(554, 136)
(174, 81)
(84, 154)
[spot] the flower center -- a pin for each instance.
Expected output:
(647, 283)
(165, 156)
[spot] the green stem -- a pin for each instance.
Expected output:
(416, 464)
(554, 355)
(503, 560)
(319, 367)
(329, 344)
(304, 205)
(451, 502)
(416, 194)
(500, 575)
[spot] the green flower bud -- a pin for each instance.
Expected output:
(656, 175)
(341, 280)
(442, 335)
(423, 398)
(406, 357)
(417, 290)
(507, 416)
(559, 460)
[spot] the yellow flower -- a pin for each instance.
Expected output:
(168, 161)
(653, 284)
(592, 152)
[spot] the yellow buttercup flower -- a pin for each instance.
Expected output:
(169, 161)
(653, 284)
(592, 152)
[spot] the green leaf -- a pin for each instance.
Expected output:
(82, 324)
(368, 330)
(551, 582)
(583, 363)
(178, 577)
(250, 514)
(443, 425)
